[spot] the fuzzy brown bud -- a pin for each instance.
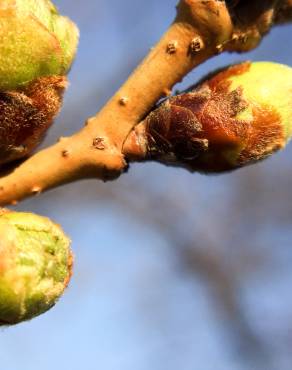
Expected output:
(236, 117)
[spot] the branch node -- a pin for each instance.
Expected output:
(124, 100)
(36, 190)
(197, 44)
(65, 153)
(99, 143)
(172, 47)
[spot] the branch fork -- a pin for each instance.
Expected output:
(200, 30)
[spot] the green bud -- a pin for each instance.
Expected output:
(35, 41)
(35, 265)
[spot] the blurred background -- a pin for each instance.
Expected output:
(172, 270)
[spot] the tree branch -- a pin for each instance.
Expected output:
(200, 30)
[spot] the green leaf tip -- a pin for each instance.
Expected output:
(35, 265)
(35, 41)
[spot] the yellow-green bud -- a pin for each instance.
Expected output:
(266, 85)
(35, 41)
(35, 265)
(37, 47)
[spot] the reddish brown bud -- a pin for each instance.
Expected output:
(235, 117)
(26, 114)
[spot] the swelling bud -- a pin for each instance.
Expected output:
(235, 117)
(35, 265)
(35, 41)
(37, 48)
